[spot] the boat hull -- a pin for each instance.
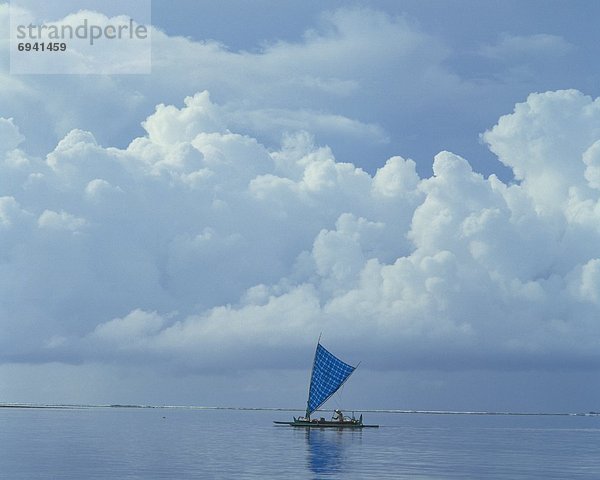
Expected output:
(326, 424)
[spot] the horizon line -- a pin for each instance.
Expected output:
(74, 406)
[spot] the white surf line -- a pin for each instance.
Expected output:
(286, 409)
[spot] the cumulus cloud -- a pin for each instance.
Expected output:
(334, 81)
(199, 247)
(60, 220)
(10, 137)
(131, 329)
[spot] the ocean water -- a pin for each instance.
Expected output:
(179, 443)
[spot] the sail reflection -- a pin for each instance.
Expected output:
(327, 449)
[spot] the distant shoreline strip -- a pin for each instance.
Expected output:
(283, 409)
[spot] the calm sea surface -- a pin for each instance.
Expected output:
(127, 443)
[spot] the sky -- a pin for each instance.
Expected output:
(418, 182)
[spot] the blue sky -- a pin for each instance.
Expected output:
(417, 181)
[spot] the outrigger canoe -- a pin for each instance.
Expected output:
(328, 374)
(323, 423)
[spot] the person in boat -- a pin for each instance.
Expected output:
(338, 415)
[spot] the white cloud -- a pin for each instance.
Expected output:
(170, 125)
(129, 328)
(545, 151)
(10, 137)
(9, 211)
(60, 220)
(333, 82)
(589, 286)
(259, 251)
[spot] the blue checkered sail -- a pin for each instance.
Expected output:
(328, 375)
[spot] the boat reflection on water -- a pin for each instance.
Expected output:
(327, 449)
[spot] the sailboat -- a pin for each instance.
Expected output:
(329, 373)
